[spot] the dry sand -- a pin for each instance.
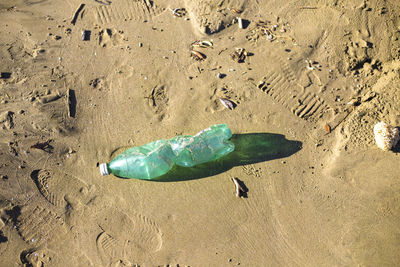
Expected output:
(68, 104)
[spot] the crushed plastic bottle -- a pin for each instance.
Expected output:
(157, 158)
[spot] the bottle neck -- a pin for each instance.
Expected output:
(104, 169)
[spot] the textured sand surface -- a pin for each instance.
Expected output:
(317, 73)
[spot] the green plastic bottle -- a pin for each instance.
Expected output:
(208, 145)
(157, 158)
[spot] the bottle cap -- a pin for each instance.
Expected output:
(104, 169)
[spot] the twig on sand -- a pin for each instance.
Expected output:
(308, 7)
(76, 14)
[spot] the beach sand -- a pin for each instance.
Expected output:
(83, 80)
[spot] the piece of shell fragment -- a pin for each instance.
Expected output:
(312, 65)
(178, 12)
(240, 22)
(239, 55)
(328, 129)
(239, 190)
(235, 10)
(386, 136)
(197, 55)
(202, 44)
(271, 37)
(227, 103)
(354, 102)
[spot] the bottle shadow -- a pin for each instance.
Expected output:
(249, 148)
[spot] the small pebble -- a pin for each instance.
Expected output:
(140, 44)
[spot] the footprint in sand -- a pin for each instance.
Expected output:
(38, 225)
(110, 37)
(280, 83)
(62, 189)
(126, 10)
(158, 101)
(36, 257)
(47, 257)
(206, 20)
(124, 238)
(292, 85)
(15, 185)
(6, 120)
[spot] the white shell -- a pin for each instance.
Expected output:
(227, 103)
(240, 23)
(386, 136)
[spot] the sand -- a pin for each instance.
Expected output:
(81, 83)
